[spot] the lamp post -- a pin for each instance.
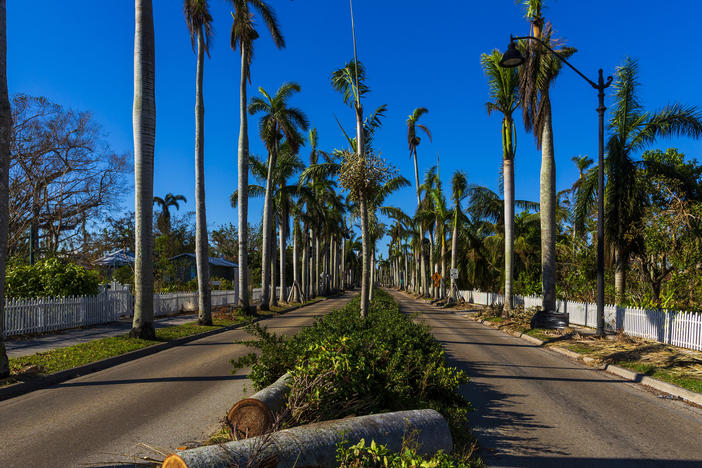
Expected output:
(513, 58)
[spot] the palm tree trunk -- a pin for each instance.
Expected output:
(422, 258)
(365, 274)
(548, 217)
(282, 234)
(332, 261)
(305, 265)
(454, 252)
(243, 189)
(508, 175)
(343, 264)
(416, 273)
(316, 265)
(406, 273)
(371, 286)
(273, 299)
(296, 275)
(432, 264)
(442, 292)
(144, 121)
(201, 247)
(5, 128)
(268, 229)
(620, 267)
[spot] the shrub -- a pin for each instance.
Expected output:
(50, 278)
(345, 365)
(375, 455)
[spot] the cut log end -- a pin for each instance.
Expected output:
(250, 418)
(174, 461)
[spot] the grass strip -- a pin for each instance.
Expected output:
(59, 359)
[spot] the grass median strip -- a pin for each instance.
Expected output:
(69, 357)
(56, 360)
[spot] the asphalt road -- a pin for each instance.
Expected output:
(536, 408)
(163, 400)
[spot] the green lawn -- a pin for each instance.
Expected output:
(665, 375)
(84, 353)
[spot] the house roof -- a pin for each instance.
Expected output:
(117, 258)
(211, 260)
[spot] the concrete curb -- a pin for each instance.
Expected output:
(674, 390)
(44, 381)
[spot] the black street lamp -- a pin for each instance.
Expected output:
(513, 58)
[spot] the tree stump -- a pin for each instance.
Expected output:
(255, 415)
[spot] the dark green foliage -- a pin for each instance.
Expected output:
(385, 362)
(50, 278)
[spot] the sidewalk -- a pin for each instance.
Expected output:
(24, 346)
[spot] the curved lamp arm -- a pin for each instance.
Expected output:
(601, 85)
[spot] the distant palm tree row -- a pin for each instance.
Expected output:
(476, 239)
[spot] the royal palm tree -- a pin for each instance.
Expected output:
(413, 141)
(349, 81)
(199, 21)
(164, 218)
(279, 120)
(459, 186)
(144, 121)
(242, 36)
(503, 84)
(633, 130)
(536, 76)
(5, 127)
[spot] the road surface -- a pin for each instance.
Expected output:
(163, 400)
(537, 408)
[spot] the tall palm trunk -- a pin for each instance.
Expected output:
(454, 251)
(243, 189)
(273, 298)
(508, 176)
(371, 286)
(201, 244)
(305, 265)
(405, 277)
(5, 126)
(144, 122)
(268, 227)
(620, 266)
(548, 217)
(316, 265)
(282, 234)
(343, 264)
(442, 293)
(416, 274)
(296, 273)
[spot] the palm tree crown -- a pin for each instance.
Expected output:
(244, 32)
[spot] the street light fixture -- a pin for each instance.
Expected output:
(513, 58)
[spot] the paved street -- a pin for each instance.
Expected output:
(537, 408)
(163, 400)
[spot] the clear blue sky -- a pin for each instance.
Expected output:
(417, 53)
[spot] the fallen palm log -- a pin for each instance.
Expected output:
(315, 445)
(255, 415)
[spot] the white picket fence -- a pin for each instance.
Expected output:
(256, 294)
(25, 316)
(682, 329)
(171, 303)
